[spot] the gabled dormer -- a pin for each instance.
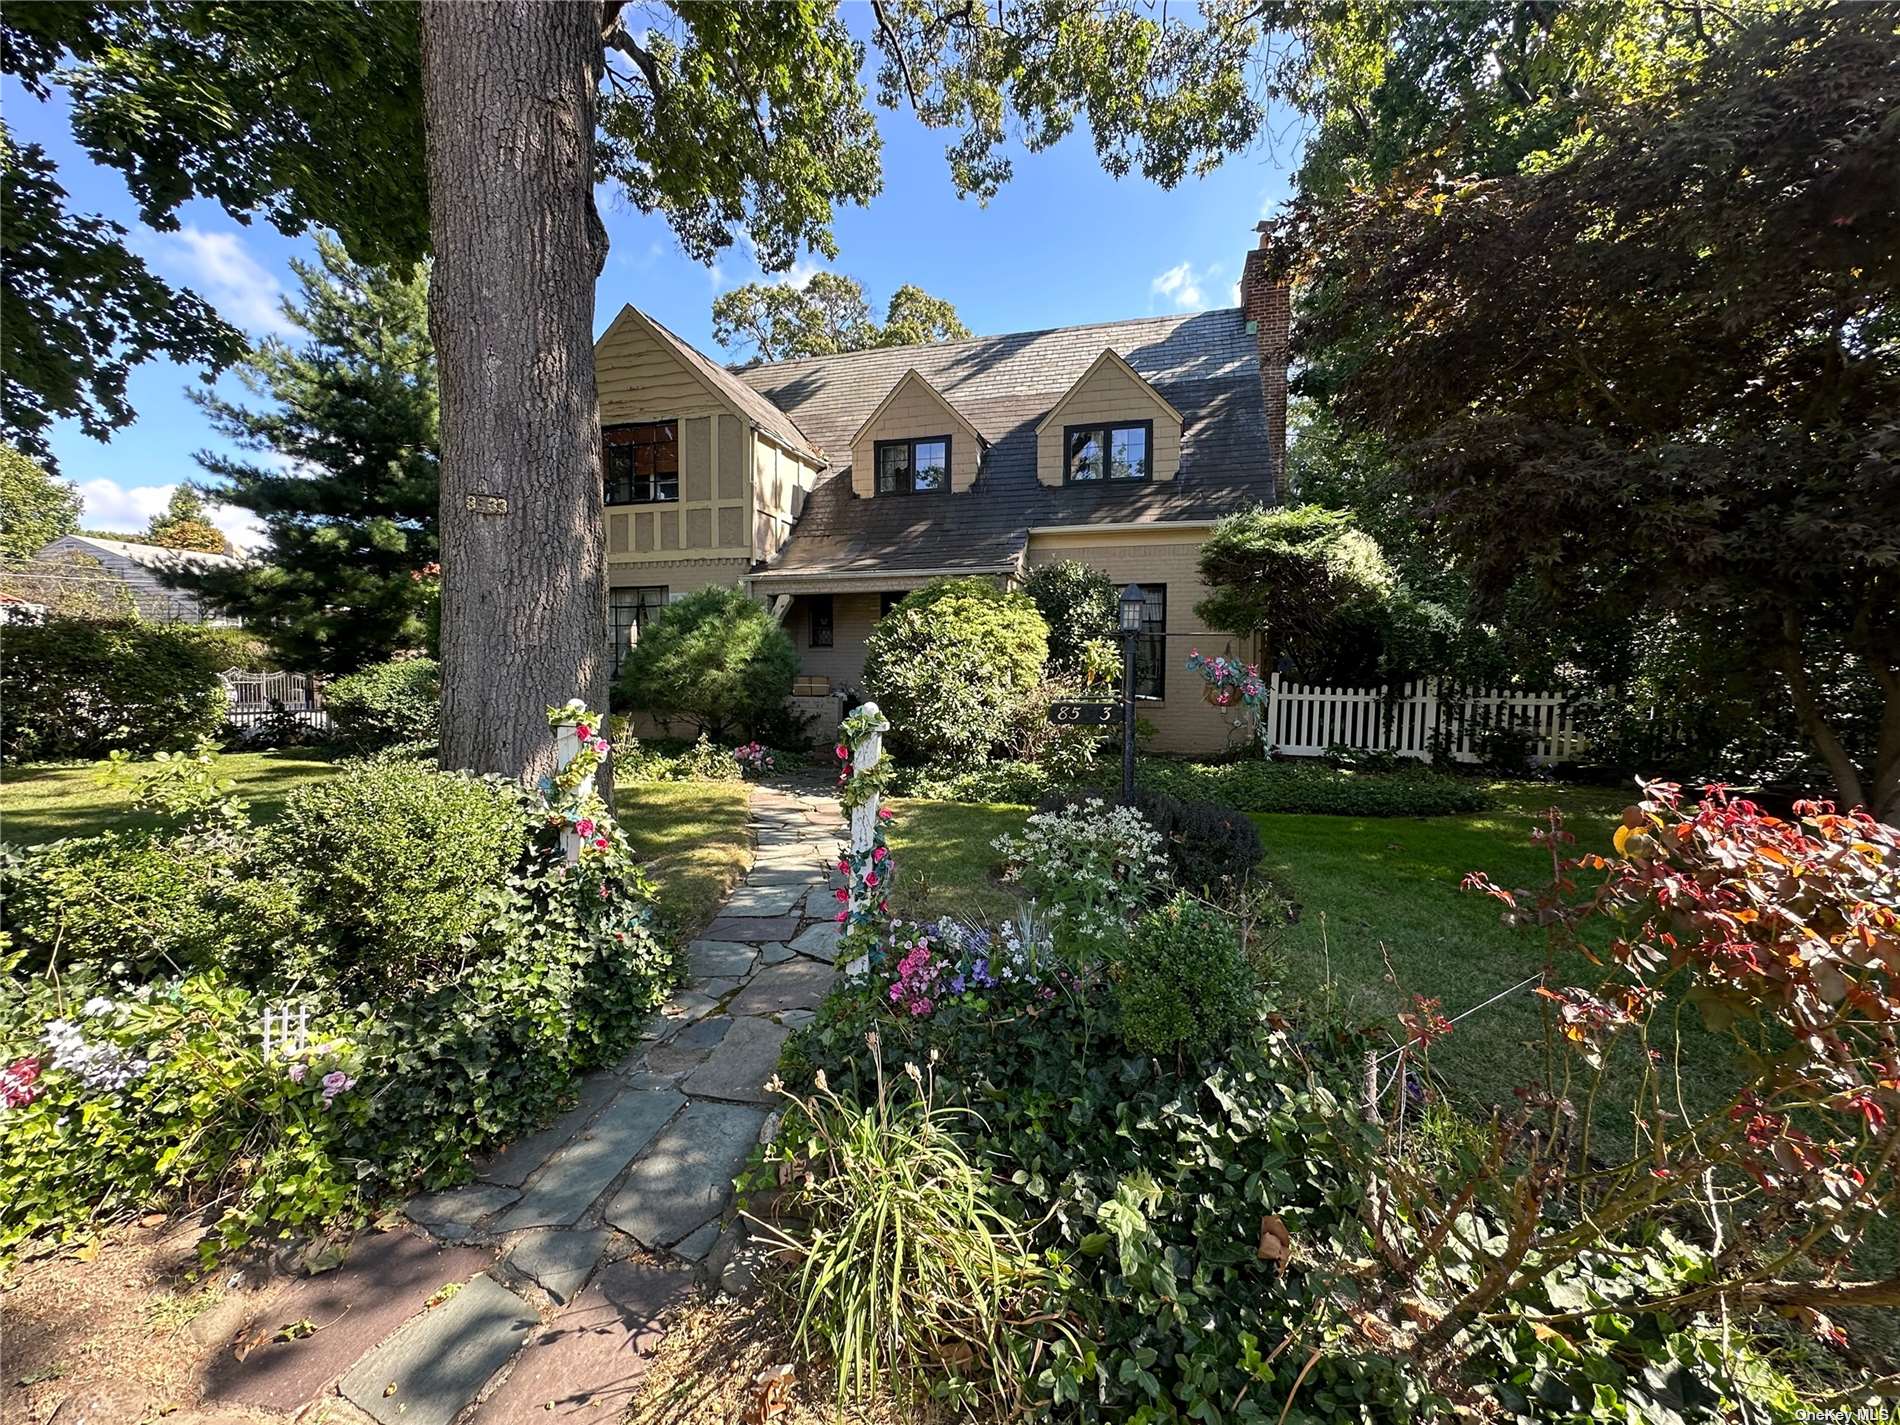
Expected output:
(1110, 428)
(915, 442)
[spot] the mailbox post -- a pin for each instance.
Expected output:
(1131, 607)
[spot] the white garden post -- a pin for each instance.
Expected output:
(864, 757)
(567, 746)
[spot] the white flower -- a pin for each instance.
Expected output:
(97, 1006)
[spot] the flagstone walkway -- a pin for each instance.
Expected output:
(533, 1292)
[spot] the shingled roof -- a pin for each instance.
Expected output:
(1205, 364)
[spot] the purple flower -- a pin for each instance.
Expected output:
(334, 1083)
(297, 1071)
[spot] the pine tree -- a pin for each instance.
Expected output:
(184, 525)
(348, 498)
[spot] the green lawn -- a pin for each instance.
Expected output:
(44, 803)
(945, 865)
(692, 836)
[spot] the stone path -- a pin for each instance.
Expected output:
(533, 1292)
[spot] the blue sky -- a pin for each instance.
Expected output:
(1064, 243)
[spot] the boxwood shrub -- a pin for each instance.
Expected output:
(1314, 789)
(952, 666)
(81, 687)
(386, 705)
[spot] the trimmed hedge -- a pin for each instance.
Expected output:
(387, 705)
(953, 666)
(714, 660)
(81, 688)
(1313, 789)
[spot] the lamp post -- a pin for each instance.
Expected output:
(1131, 607)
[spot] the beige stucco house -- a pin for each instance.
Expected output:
(829, 487)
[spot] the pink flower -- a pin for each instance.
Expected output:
(584, 827)
(842, 916)
(884, 907)
(883, 813)
(602, 746)
(879, 854)
(583, 731)
(600, 843)
(297, 1071)
(844, 868)
(870, 878)
(841, 894)
(842, 751)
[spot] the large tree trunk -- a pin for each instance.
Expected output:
(508, 93)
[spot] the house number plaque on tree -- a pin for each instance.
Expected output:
(1083, 714)
(487, 504)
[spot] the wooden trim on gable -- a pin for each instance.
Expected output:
(891, 396)
(1109, 355)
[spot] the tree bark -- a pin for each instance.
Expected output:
(508, 95)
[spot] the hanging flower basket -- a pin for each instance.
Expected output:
(1220, 697)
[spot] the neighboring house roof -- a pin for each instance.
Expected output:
(149, 556)
(721, 382)
(1206, 365)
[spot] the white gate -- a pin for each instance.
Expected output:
(1305, 721)
(254, 695)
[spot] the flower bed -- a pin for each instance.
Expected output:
(420, 1039)
(1219, 1204)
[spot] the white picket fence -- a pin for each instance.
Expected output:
(1304, 721)
(253, 694)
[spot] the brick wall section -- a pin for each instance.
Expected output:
(1269, 312)
(1184, 721)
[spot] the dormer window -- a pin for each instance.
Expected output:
(1115, 452)
(914, 466)
(643, 462)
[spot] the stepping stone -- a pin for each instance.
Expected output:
(740, 1066)
(704, 1035)
(454, 1214)
(388, 1278)
(797, 984)
(685, 1179)
(750, 901)
(585, 1368)
(689, 1005)
(820, 941)
(696, 1244)
(513, 1164)
(653, 1079)
(690, 1048)
(755, 930)
(713, 959)
(577, 1174)
(800, 876)
(559, 1259)
(797, 1018)
(438, 1363)
(823, 902)
(777, 953)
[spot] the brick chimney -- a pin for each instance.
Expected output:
(1263, 297)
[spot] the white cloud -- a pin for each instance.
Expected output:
(801, 272)
(1186, 288)
(111, 506)
(216, 266)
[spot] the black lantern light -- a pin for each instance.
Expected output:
(1131, 609)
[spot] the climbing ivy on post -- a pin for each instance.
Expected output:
(865, 861)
